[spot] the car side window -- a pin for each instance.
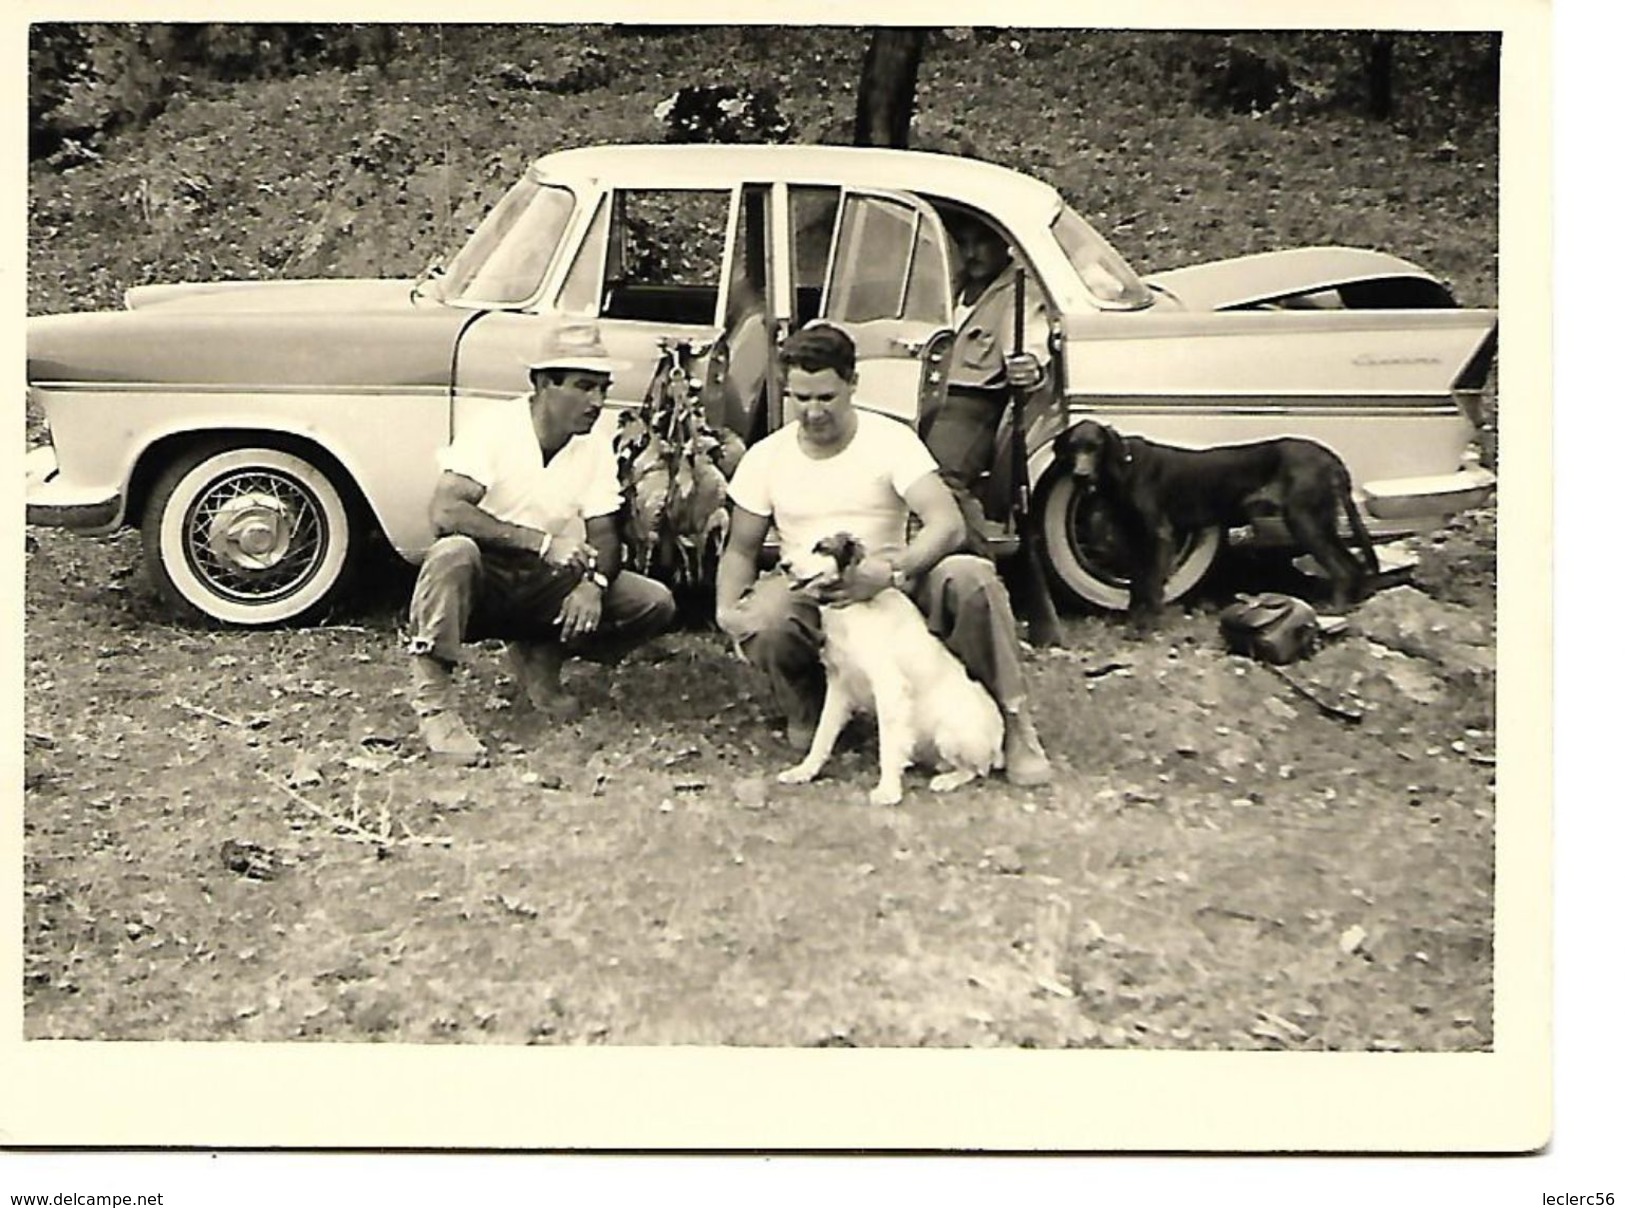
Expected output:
(812, 235)
(888, 264)
(664, 255)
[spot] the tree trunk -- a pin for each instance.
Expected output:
(891, 67)
(1379, 76)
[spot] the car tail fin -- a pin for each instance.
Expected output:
(1468, 388)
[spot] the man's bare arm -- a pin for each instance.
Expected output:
(604, 535)
(455, 511)
(942, 526)
(736, 570)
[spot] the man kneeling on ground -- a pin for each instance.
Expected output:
(527, 549)
(840, 469)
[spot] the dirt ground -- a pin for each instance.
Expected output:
(235, 835)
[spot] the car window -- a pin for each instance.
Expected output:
(928, 285)
(664, 259)
(747, 275)
(812, 234)
(581, 292)
(888, 264)
(1105, 274)
(503, 262)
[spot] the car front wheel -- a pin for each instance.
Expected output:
(245, 536)
(1087, 555)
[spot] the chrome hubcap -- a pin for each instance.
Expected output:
(256, 535)
(252, 531)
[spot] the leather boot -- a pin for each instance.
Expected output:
(434, 700)
(537, 667)
(1025, 763)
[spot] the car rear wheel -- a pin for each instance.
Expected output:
(1086, 556)
(245, 536)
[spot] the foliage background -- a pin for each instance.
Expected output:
(177, 152)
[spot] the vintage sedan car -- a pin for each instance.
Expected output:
(253, 430)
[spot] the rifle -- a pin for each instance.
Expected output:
(1043, 623)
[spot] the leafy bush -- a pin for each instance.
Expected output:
(723, 113)
(1419, 80)
(87, 81)
(1238, 79)
(580, 70)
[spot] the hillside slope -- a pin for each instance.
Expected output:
(377, 173)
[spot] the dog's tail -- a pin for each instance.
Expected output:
(1362, 535)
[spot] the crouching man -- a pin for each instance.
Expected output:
(836, 468)
(527, 549)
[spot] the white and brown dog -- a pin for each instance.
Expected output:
(881, 659)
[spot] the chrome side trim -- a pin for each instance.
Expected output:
(90, 387)
(1262, 404)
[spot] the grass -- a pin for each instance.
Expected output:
(1219, 866)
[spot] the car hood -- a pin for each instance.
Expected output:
(321, 294)
(230, 337)
(1275, 277)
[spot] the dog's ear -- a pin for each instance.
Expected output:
(841, 548)
(848, 551)
(1117, 452)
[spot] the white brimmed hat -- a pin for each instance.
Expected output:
(575, 345)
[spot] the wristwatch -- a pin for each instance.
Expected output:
(899, 579)
(597, 579)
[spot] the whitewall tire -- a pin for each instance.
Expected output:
(245, 536)
(1087, 570)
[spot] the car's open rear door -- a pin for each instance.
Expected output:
(889, 286)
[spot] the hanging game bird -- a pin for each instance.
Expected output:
(673, 477)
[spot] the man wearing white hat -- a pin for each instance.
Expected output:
(527, 549)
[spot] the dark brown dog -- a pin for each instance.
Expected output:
(1155, 492)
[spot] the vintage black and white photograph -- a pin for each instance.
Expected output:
(763, 537)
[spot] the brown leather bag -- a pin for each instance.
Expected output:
(1273, 628)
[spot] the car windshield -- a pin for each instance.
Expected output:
(1105, 274)
(502, 264)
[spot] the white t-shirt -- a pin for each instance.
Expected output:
(859, 490)
(498, 449)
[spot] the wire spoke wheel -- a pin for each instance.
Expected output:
(246, 536)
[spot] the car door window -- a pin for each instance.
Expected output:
(812, 234)
(748, 328)
(664, 255)
(928, 292)
(888, 264)
(747, 273)
(888, 288)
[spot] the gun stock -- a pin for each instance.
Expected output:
(1043, 622)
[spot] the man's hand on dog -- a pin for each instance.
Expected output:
(734, 621)
(861, 583)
